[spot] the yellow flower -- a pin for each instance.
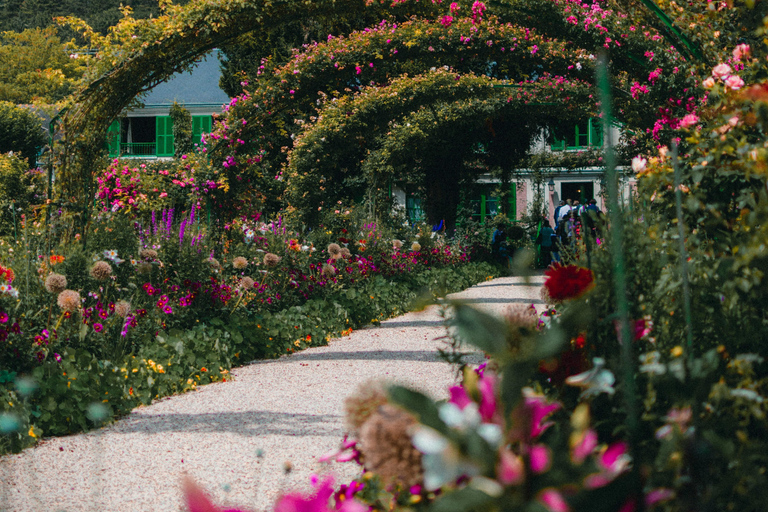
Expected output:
(32, 432)
(677, 351)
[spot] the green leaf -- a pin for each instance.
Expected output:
(480, 329)
(420, 405)
(463, 500)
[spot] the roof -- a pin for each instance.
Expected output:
(198, 86)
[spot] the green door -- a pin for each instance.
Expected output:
(163, 136)
(113, 139)
(200, 125)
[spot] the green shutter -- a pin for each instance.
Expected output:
(113, 139)
(163, 136)
(595, 133)
(200, 125)
(512, 201)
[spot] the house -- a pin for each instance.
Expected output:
(147, 132)
(560, 184)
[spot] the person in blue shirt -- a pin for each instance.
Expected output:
(545, 241)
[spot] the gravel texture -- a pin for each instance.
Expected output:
(236, 438)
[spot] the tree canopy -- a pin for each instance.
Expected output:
(658, 63)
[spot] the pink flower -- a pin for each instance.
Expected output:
(459, 397)
(3, 317)
(510, 468)
(721, 71)
(709, 83)
(446, 20)
(734, 82)
(454, 8)
(318, 502)
(539, 409)
(98, 327)
(553, 500)
(584, 446)
(740, 51)
(689, 120)
(197, 501)
(541, 458)
(487, 387)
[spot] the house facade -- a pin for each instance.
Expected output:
(147, 132)
(559, 184)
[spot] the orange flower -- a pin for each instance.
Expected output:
(7, 274)
(203, 369)
(56, 259)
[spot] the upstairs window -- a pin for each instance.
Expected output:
(578, 136)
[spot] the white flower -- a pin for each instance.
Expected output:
(442, 461)
(639, 164)
(747, 394)
(578, 66)
(595, 381)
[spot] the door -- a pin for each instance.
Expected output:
(581, 191)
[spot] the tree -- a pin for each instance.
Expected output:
(35, 67)
(21, 131)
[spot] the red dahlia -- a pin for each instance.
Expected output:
(565, 282)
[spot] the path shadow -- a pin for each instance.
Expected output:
(246, 423)
(423, 356)
(501, 301)
(410, 324)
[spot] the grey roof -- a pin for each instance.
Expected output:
(198, 86)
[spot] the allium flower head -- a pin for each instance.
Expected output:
(345, 252)
(247, 283)
(55, 283)
(361, 405)
(122, 308)
(564, 282)
(239, 263)
(215, 265)
(397, 244)
(101, 270)
(148, 254)
(386, 445)
(271, 260)
(69, 300)
(328, 271)
(334, 249)
(415, 246)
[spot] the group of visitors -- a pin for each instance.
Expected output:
(571, 218)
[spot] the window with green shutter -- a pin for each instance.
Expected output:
(164, 136)
(113, 139)
(578, 136)
(200, 125)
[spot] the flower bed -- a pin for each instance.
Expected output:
(147, 310)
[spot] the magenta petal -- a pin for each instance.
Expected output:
(585, 446)
(553, 501)
(487, 387)
(196, 499)
(541, 458)
(459, 397)
(539, 410)
(612, 454)
(510, 469)
(658, 495)
(297, 502)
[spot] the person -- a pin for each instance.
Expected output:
(557, 211)
(545, 242)
(591, 214)
(562, 214)
(499, 243)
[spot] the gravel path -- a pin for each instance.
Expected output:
(289, 409)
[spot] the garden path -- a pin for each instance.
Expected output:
(289, 409)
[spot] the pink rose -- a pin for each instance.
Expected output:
(721, 70)
(734, 82)
(740, 51)
(709, 83)
(689, 120)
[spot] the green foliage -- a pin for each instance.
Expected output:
(20, 188)
(182, 130)
(35, 67)
(21, 131)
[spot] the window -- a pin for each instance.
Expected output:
(488, 205)
(413, 209)
(576, 136)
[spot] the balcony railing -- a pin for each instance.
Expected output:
(138, 149)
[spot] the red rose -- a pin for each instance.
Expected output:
(565, 282)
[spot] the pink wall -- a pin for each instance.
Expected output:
(522, 198)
